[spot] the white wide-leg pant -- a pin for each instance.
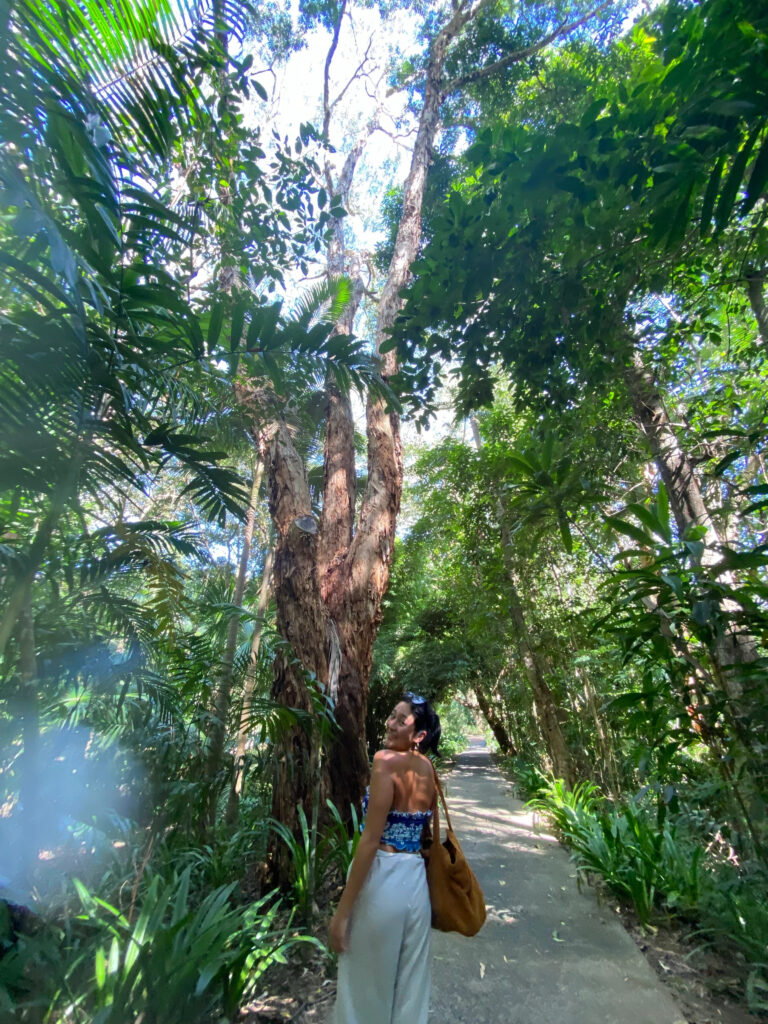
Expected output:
(384, 977)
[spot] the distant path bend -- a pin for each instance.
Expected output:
(548, 954)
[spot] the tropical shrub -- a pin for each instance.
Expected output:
(529, 780)
(340, 840)
(641, 860)
(174, 961)
(314, 854)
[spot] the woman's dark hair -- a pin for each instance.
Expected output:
(425, 718)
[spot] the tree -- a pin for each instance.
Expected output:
(579, 254)
(116, 357)
(330, 576)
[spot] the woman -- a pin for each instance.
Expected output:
(381, 928)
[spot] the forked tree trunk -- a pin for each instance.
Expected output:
(330, 580)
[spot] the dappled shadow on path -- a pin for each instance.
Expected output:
(547, 950)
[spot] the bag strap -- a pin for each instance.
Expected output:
(445, 807)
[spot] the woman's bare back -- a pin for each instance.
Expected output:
(413, 780)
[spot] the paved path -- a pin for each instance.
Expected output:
(547, 954)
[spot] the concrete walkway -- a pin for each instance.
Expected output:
(548, 954)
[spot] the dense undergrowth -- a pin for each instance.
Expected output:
(667, 864)
(174, 933)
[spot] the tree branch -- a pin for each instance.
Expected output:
(353, 77)
(327, 71)
(528, 51)
(396, 138)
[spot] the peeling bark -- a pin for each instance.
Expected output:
(302, 622)
(341, 602)
(355, 585)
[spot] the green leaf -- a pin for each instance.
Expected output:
(733, 180)
(736, 560)
(215, 325)
(708, 203)
(727, 461)
(565, 533)
(114, 956)
(626, 700)
(662, 508)
(758, 179)
(674, 582)
(592, 112)
(100, 968)
(238, 322)
(629, 530)
(647, 517)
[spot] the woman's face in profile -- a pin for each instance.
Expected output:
(400, 727)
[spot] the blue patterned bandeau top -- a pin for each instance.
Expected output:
(403, 828)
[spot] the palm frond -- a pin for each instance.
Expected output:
(323, 303)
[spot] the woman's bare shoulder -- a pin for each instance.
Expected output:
(387, 760)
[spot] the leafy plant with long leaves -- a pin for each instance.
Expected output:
(177, 959)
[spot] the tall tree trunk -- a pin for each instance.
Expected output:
(610, 771)
(249, 685)
(303, 623)
(495, 721)
(548, 714)
(336, 593)
(223, 692)
(685, 498)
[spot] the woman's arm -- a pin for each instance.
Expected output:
(379, 804)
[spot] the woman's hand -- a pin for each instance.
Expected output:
(338, 931)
